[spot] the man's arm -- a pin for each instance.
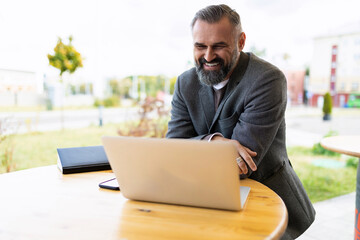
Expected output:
(180, 125)
(245, 154)
(262, 117)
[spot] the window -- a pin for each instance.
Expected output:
(342, 86)
(334, 51)
(355, 86)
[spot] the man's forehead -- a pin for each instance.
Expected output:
(218, 31)
(223, 23)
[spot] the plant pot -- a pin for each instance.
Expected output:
(327, 117)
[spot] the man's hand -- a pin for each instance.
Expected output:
(244, 153)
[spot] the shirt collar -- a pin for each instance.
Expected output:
(221, 84)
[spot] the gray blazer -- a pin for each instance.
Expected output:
(252, 112)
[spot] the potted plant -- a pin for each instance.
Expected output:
(327, 107)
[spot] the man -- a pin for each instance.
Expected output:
(235, 96)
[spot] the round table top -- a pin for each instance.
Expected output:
(349, 145)
(42, 203)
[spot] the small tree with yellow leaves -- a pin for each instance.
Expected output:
(66, 59)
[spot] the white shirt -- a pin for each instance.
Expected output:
(221, 84)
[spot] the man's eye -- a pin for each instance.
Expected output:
(200, 47)
(218, 47)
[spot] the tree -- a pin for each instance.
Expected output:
(172, 84)
(327, 107)
(258, 52)
(66, 59)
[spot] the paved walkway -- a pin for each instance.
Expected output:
(334, 219)
(305, 127)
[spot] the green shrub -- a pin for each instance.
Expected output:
(327, 107)
(7, 145)
(113, 101)
(98, 102)
(352, 162)
(317, 149)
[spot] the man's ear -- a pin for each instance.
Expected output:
(241, 41)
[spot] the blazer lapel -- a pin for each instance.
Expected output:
(206, 97)
(234, 80)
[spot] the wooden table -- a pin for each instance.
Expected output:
(349, 145)
(41, 203)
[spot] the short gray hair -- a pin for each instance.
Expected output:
(214, 13)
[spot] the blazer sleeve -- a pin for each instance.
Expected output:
(264, 107)
(181, 125)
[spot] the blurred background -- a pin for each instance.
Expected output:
(73, 71)
(128, 42)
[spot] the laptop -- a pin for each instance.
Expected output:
(177, 171)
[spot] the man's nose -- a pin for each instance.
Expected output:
(209, 55)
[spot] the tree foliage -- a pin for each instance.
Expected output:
(153, 84)
(258, 52)
(150, 85)
(327, 107)
(172, 84)
(120, 87)
(65, 57)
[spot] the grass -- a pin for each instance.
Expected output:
(321, 183)
(22, 109)
(39, 149)
(41, 108)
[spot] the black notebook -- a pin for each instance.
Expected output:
(82, 159)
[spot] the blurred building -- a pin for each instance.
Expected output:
(29, 89)
(20, 88)
(335, 68)
(74, 90)
(295, 86)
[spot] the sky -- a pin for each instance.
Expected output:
(118, 38)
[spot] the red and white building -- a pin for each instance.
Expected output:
(335, 68)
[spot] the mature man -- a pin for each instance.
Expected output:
(235, 96)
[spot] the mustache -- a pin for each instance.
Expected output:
(215, 60)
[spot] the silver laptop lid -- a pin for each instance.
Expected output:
(176, 171)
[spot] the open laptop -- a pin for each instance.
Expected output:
(177, 171)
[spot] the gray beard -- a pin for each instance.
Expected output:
(212, 78)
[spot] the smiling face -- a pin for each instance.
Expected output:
(217, 49)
